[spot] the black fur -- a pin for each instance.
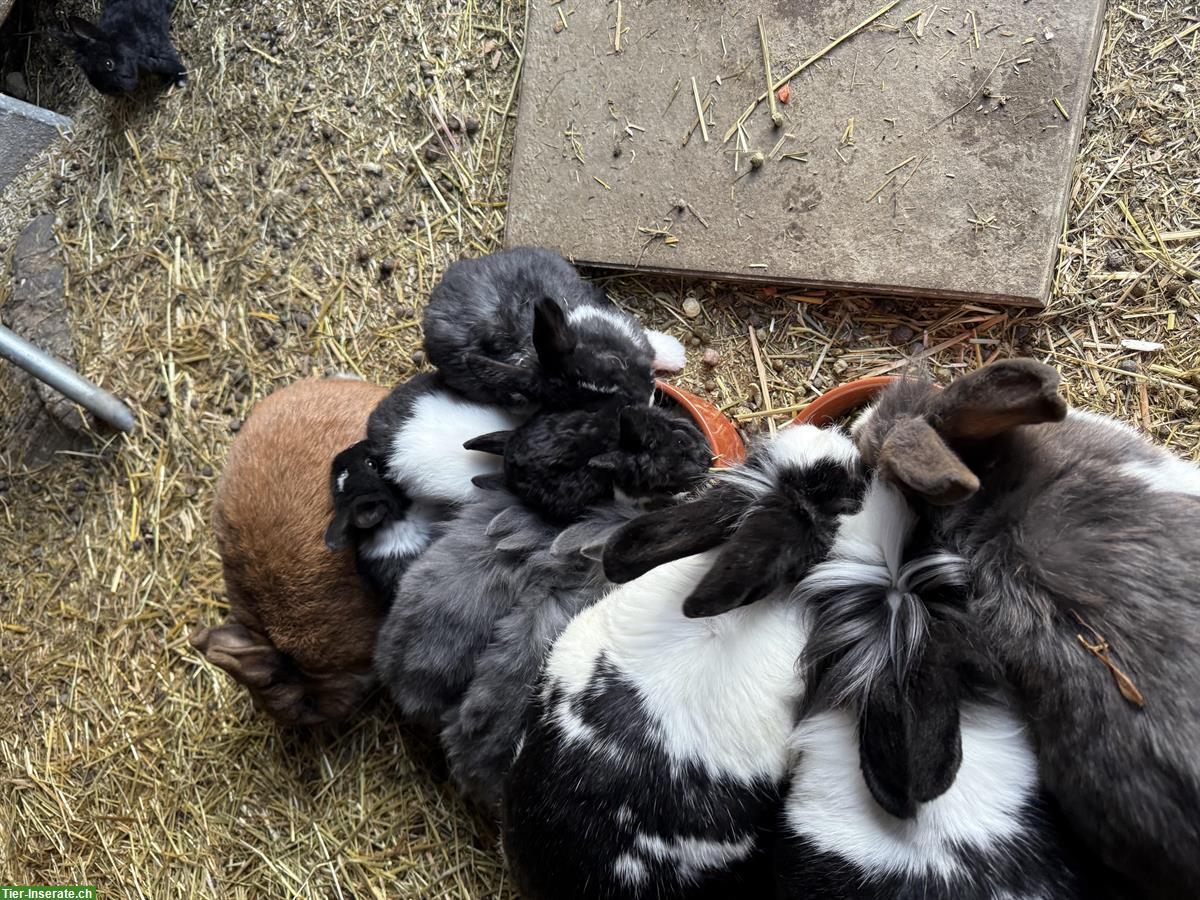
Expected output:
(364, 505)
(132, 39)
(499, 329)
(563, 463)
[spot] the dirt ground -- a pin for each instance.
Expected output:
(285, 214)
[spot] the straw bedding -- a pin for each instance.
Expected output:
(284, 215)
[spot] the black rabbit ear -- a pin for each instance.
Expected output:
(746, 569)
(552, 336)
(367, 513)
(910, 745)
(494, 443)
(85, 30)
(664, 535)
(502, 378)
(337, 535)
(606, 462)
(491, 482)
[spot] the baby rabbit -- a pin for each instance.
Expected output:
(132, 39)
(655, 750)
(482, 732)
(388, 531)
(418, 432)
(563, 463)
(1082, 543)
(913, 779)
(521, 327)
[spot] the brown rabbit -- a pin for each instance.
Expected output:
(302, 623)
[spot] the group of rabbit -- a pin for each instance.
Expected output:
(954, 653)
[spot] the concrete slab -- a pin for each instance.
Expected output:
(25, 131)
(928, 155)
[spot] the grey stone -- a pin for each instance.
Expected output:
(25, 130)
(16, 86)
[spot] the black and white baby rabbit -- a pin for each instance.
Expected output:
(563, 463)
(388, 531)
(133, 38)
(483, 731)
(418, 432)
(521, 327)
(655, 748)
(1082, 542)
(913, 778)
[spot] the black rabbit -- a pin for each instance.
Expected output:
(133, 38)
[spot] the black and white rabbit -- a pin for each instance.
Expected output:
(418, 432)
(1082, 542)
(133, 38)
(386, 528)
(655, 748)
(482, 732)
(521, 327)
(913, 778)
(563, 463)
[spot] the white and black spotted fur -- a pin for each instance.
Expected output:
(521, 327)
(564, 463)
(418, 432)
(1074, 530)
(655, 754)
(132, 39)
(913, 779)
(386, 528)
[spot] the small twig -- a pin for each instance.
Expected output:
(620, 23)
(762, 375)
(971, 99)
(699, 110)
(1100, 648)
(1144, 403)
(776, 118)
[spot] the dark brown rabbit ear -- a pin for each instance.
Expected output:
(552, 336)
(914, 456)
(249, 657)
(909, 740)
(996, 399)
(494, 443)
(664, 535)
(85, 30)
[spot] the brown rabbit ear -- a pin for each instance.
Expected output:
(915, 457)
(249, 657)
(996, 399)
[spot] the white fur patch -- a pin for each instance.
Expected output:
(720, 690)
(861, 420)
(1166, 475)
(629, 870)
(621, 322)
(427, 457)
(796, 447)
(341, 480)
(669, 355)
(692, 857)
(830, 805)
(407, 537)
(345, 376)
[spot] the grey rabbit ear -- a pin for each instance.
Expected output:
(664, 535)
(593, 551)
(505, 521)
(492, 481)
(337, 535)
(85, 30)
(504, 377)
(553, 338)
(493, 443)
(910, 742)
(996, 399)
(745, 569)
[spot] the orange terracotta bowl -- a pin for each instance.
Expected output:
(844, 398)
(722, 435)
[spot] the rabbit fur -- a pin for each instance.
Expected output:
(132, 38)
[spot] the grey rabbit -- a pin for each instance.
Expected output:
(387, 529)
(563, 463)
(520, 327)
(1082, 541)
(132, 39)
(483, 732)
(913, 777)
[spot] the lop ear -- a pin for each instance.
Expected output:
(669, 355)
(492, 481)
(249, 657)
(910, 743)
(493, 443)
(996, 399)
(85, 30)
(367, 513)
(664, 535)
(606, 462)
(521, 381)
(552, 336)
(914, 456)
(337, 535)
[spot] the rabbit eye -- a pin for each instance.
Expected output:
(109, 65)
(371, 464)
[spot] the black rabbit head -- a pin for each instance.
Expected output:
(110, 64)
(658, 452)
(362, 498)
